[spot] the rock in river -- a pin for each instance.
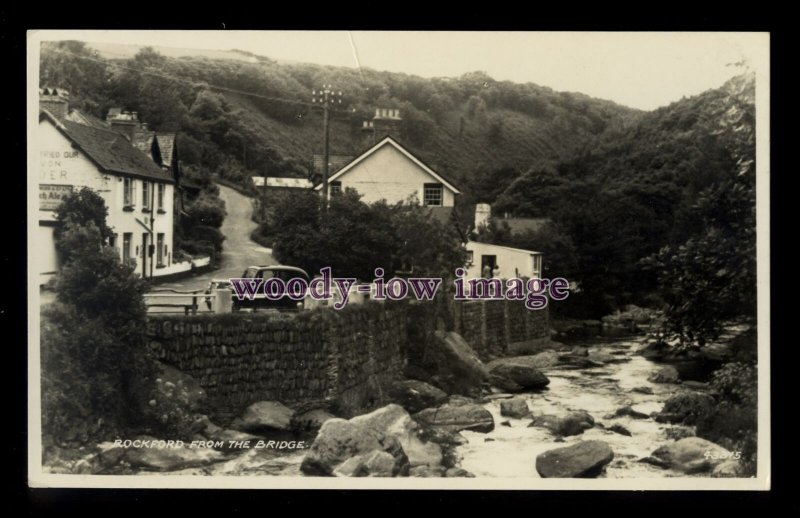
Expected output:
(515, 407)
(264, 416)
(311, 420)
(520, 372)
(573, 423)
(691, 455)
(581, 460)
(455, 418)
(348, 448)
(416, 395)
(352, 448)
(667, 374)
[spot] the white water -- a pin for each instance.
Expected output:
(511, 451)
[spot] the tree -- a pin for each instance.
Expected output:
(78, 217)
(96, 371)
(354, 237)
(711, 278)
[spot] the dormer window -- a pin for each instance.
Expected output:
(432, 195)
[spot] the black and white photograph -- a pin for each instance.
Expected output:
(398, 259)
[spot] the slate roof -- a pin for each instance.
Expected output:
(109, 150)
(166, 144)
(87, 119)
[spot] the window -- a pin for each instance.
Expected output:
(433, 194)
(146, 195)
(161, 196)
(335, 188)
(112, 240)
(161, 250)
(127, 237)
(470, 257)
(128, 193)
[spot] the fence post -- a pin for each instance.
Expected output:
(222, 302)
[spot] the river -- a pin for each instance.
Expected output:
(510, 451)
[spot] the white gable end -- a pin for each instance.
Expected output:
(389, 172)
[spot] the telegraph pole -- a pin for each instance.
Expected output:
(326, 97)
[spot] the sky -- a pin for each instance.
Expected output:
(637, 69)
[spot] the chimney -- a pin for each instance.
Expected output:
(55, 101)
(483, 211)
(387, 121)
(124, 122)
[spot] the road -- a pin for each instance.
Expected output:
(239, 251)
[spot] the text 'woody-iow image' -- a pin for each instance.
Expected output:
(490, 261)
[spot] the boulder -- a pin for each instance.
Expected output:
(618, 428)
(691, 455)
(515, 407)
(503, 383)
(454, 365)
(376, 463)
(311, 420)
(341, 447)
(685, 408)
(520, 372)
(416, 395)
(573, 423)
(171, 459)
(347, 448)
(455, 418)
(264, 416)
(666, 374)
(627, 411)
(642, 390)
(584, 459)
(393, 421)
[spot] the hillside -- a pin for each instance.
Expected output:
(464, 126)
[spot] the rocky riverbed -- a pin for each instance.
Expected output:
(592, 409)
(612, 387)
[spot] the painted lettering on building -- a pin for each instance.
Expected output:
(50, 196)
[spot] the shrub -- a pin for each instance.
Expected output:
(96, 371)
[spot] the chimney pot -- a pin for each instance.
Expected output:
(55, 101)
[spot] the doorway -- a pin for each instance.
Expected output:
(144, 255)
(488, 263)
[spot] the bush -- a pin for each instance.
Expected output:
(96, 370)
(733, 421)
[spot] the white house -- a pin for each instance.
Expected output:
(388, 171)
(509, 262)
(137, 192)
